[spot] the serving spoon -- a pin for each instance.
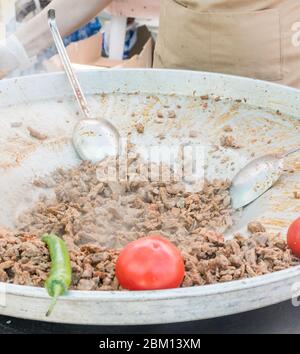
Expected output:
(256, 178)
(93, 138)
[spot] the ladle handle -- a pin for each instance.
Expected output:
(290, 152)
(67, 64)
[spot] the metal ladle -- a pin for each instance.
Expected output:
(93, 138)
(256, 178)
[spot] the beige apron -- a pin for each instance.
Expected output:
(242, 37)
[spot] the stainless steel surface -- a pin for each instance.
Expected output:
(283, 318)
(93, 139)
(126, 97)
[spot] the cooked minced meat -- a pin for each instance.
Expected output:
(227, 129)
(36, 134)
(115, 213)
(24, 260)
(228, 141)
(96, 219)
(255, 227)
(140, 128)
(296, 195)
(211, 259)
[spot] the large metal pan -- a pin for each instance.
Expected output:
(264, 117)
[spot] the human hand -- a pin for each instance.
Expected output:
(12, 55)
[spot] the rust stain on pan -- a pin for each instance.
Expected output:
(286, 205)
(276, 222)
(227, 116)
(16, 157)
(296, 166)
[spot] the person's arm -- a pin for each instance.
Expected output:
(71, 14)
(34, 35)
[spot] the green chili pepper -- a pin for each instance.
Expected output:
(60, 275)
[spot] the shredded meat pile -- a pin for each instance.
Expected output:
(228, 141)
(211, 259)
(24, 260)
(115, 213)
(96, 219)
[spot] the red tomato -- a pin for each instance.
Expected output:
(293, 237)
(150, 263)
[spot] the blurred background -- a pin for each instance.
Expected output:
(121, 36)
